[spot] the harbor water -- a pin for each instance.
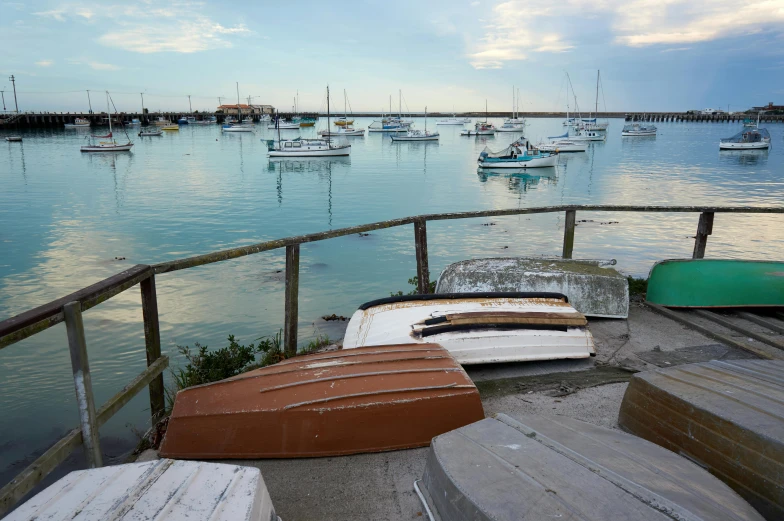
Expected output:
(69, 219)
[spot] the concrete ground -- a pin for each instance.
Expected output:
(380, 486)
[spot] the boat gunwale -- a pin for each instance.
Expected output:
(457, 296)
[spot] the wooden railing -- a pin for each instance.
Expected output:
(69, 309)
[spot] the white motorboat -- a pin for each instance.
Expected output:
(236, 128)
(108, 146)
(451, 121)
(508, 126)
(588, 135)
(377, 126)
(78, 123)
(747, 139)
(347, 130)
(476, 328)
(149, 133)
(638, 129)
(299, 147)
(283, 124)
(562, 145)
(520, 154)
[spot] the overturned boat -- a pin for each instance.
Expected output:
(593, 287)
(328, 404)
(161, 489)
(476, 328)
(726, 415)
(538, 467)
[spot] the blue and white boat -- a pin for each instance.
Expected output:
(520, 154)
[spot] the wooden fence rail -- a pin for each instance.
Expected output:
(69, 309)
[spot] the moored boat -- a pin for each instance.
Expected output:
(702, 283)
(725, 415)
(638, 129)
(509, 126)
(334, 403)
(562, 145)
(417, 135)
(108, 146)
(754, 138)
(283, 124)
(162, 122)
(480, 129)
(299, 147)
(452, 121)
(78, 123)
(171, 128)
(536, 467)
(150, 132)
(520, 154)
(477, 328)
(346, 130)
(343, 121)
(236, 128)
(14, 139)
(588, 135)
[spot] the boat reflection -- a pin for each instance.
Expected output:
(743, 157)
(323, 169)
(518, 180)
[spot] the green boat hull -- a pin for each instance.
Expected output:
(716, 283)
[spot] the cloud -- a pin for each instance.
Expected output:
(45, 63)
(103, 66)
(520, 28)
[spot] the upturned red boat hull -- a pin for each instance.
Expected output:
(346, 402)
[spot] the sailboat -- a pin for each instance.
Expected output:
(299, 147)
(78, 123)
(108, 146)
(481, 128)
(515, 123)
(417, 135)
(592, 123)
(346, 127)
(237, 128)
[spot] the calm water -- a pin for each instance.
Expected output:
(66, 216)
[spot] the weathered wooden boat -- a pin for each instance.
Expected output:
(593, 287)
(728, 416)
(537, 467)
(477, 328)
(161, 489)
(328, 404)
(698, 283)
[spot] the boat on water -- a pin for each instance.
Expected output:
(79, 123)
(591, 123)
(239, 124)
(476, 328)
(520, 154)
(588, 135)
(347, 130)
(202, 122)
(754, 138)
(162, 122)
(236, 128)
(638, 129)
(14, 139)
(481, 128)
(563, 145)
(159, 489)
(724, 415)
(265, 117)
(150, 132)
(452, 121)
(282, 124)
(417, 135)
(515, 123)
(391, 126)
(716, 283)
(247, 120)
(306, 122)
(536, 467)
(108, 146)
(335, 403)
(171, 128)
(508, 126)
(343, 121)
(183, 121)
(749, 123)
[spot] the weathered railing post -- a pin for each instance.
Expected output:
(423, 271)
(152, 340)
(292, 300)
(704, 228)
(568, 242)
(77, 344)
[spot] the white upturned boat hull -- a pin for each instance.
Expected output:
(107, 148)
(534, 162)
(403, 320)
(320, 152)
(762, 145)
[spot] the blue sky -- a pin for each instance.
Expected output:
(653, 54)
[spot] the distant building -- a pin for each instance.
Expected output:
(770, 107)
(254, 110)
(712, 112)
(263, 109)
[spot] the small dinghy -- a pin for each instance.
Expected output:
(147, 133)
(477, 328)
(727, 416)
(161, 489)
(328, 404)
(716, 283)
(14, 139)
(536, 467)
(592, 286)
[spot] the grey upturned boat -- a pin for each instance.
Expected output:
(502, 469)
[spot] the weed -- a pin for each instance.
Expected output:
(414, 281)
(637, 287)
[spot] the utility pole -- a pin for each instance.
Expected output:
(189, 103)
(13, 82)
(142, 95)
(2, 92)
(89, 102)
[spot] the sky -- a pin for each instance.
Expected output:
(654, 55)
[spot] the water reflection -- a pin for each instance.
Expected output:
(20, 146)
(321, 167)
(743, 157)
(518, 180)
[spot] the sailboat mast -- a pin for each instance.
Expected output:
(109, 113)
(485, 110)
(596, 109)
(425, 120)
(329, 141)
(239, 109)
(513, 103)
(400, 104)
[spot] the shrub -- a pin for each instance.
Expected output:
(414, 281)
